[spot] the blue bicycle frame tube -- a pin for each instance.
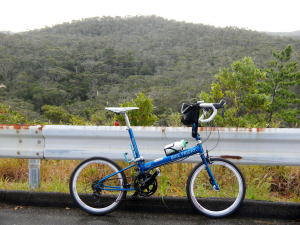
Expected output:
(115, 188)
(167, 159)
(211, 176)
(143, 167)
(136, 153)
(183, 154)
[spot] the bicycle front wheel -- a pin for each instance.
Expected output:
(211, 202)
(95, 196)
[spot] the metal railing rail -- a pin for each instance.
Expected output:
(253, 146)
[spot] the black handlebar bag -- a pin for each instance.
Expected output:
(190, 114)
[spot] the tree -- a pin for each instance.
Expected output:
(9, 116)
(282, 75)
(144, 116)
(58, 115)
(108, 59)
(98, 118)
(174, 119)
(6, 67)
(239, 85)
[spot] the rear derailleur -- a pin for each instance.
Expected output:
(96, 189)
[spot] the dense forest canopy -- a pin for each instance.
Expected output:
(86, 65)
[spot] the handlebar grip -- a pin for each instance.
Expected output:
(214, 107)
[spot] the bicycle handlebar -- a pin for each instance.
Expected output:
(213, 106)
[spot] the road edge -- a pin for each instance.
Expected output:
(250, 208)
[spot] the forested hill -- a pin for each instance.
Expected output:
(294, 34)
(88, 64)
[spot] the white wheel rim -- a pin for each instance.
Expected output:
(232, 206)
(78, 199)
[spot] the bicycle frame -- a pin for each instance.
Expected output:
(98, 185)
(144, 167)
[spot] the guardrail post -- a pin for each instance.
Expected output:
(34, 173)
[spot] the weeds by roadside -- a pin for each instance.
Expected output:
(274, 183)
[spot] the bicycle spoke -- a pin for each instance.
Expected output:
(212, 202)
(88, 191)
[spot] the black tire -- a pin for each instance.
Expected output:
(83, 188)
(230, 180)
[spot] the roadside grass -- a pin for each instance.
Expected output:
(273, 183)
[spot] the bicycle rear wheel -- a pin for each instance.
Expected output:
(211, 202)
(89, 193)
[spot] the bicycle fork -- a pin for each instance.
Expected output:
(206, 162)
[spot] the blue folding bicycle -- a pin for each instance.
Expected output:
(215, 187)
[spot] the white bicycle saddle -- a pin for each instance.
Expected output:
(120, 109)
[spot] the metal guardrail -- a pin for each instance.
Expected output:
(255, 146)
(21, 141)
(272, 146)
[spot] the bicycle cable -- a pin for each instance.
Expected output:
(212, 124)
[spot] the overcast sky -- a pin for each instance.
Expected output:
(260, 15)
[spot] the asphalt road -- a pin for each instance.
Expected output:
(28, 215)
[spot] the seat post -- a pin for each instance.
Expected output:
(126, 120)
(135, 150)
